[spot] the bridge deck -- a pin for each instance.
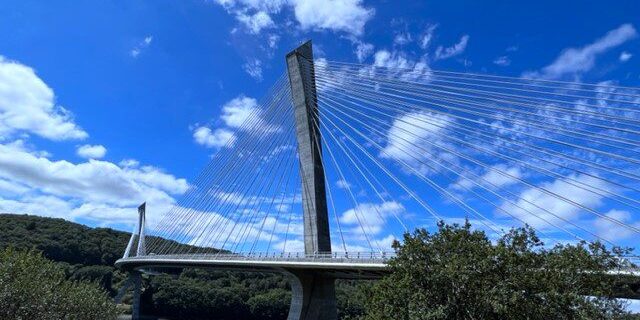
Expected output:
(356, 265)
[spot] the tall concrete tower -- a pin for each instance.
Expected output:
(314, 199)
(313, 292)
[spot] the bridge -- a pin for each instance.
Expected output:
(340, 159)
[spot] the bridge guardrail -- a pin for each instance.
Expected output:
(364, 257)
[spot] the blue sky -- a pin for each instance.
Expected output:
(104, 105)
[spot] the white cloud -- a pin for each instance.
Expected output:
(343, 184)
(402, 38)
(347, 16)
(555, 204)
(129, 163)
(28, 104)
(502, 61)
(363, 50)
(427, 36)
(574, 61)
(137, 50)
(213, 139)
(12, 188)
(256, 22)
(272, 6)
(65, 189)
(273, 41)
(399, 65)
(371, 217)
(612, 231)
(91, 151)
(336, 15)
(409, 131)
(496, 176)
(236, 111)
(254, 69)
(456, 49)
(95, 190)
(625, 56)
(234, 114)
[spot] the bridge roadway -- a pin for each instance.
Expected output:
(358, 265)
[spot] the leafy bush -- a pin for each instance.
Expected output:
(32, 287)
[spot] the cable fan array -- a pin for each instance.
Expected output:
(406, 148)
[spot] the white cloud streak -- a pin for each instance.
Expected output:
(575, 61)
(449, 52)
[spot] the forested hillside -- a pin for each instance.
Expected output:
(89, 254)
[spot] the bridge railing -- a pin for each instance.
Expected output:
(374, 257)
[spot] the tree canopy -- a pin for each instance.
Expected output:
(32, 287)
(458, 273)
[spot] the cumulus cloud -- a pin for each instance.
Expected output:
(27, 104)
(456, 49)
(234, 114)
(238, 110)
(409, 132)
(64, 189)
(371, 217)
(213, 139)
(550, 205)
(91, 151)
(94, 190)
(137, 50)
(348, 16)
(575, 61)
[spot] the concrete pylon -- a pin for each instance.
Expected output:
(313, 293)
(142, 220)
(138, 234)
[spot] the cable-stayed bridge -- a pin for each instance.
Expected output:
(338, 160)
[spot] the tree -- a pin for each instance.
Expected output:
(458, 273)
(32, 287)
(273, 304)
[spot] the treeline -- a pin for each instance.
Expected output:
(89, 254)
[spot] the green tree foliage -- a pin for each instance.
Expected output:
(32, 287)
(457, 273)
(271, 305)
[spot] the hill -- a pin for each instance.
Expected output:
(89, 254)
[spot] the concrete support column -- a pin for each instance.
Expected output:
(137, 291)
(313, 296)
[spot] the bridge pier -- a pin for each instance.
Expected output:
(313, 296)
